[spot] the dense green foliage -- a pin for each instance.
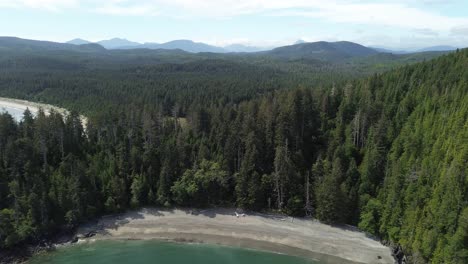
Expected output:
(387, 153)
(93, 80)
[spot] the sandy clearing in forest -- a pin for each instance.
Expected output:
(301, 237)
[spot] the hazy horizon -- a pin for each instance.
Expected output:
(395, 24)
(256, 48)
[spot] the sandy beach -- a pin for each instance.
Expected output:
(292, 236)
(33, 107)
(22, 105)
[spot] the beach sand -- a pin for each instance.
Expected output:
(22, 105)
(292, 236)
(33, 107)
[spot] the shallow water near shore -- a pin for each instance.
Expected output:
(151, 251)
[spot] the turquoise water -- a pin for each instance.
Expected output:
(135, 252)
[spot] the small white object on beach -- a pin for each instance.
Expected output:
(237, 214)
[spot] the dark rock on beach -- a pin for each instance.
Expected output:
(21, 253)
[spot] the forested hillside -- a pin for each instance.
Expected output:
(322, 50)
(387, 152)
(90, 78)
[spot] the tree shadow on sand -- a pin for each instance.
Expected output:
(211, 213)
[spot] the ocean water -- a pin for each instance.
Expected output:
(157, 252)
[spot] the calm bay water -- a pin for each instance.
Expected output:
(135, 252)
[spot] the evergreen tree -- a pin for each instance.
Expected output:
(329, 197)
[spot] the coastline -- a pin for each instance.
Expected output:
(22, 253)
(272, 233)
(34, 107)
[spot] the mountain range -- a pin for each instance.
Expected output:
(322, 50)
(406, 51)
(196, 47)
(19, 44)
(331, 52)
(182, 44)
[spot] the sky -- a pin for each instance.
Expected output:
(398, 24)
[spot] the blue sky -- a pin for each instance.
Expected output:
(390, 23)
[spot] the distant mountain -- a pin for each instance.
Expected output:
(353, 49)
(18, 44)
(117, 43)
(244, 48)
(437, 48)
(407, 51)
(78, 41)
(94, 47)
(384, 50)
(331, 52)
(299, 41)
(389, 50)
(186, 45)
(325, 51)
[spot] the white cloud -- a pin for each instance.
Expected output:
(128, 10)
(396, 14)
(393, 13)
(383, 14)
(459, 31)
(50, 5)
(426, 32)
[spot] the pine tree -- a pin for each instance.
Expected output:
(330, 200)
(248, 181)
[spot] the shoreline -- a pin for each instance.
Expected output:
(272, 233)
(22, 253)
(34, 107)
